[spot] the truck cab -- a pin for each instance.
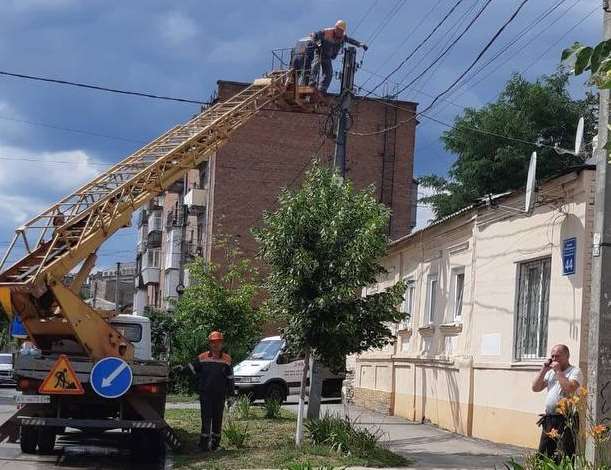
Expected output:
(270, 373)
(137, 330)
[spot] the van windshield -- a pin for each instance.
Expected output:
(266, 350)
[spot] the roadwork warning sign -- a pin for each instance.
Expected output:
(62, 379)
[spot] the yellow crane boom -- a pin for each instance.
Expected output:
(69, 232)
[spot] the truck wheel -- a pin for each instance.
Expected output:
(46, 440)
(275, 392)
(147, 446)
(28, 439)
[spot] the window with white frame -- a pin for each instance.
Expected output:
(431, 298)
(458, 291)
(153, 258)
(532, 309)
(407, 306)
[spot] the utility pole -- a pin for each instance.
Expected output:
(339, 161)
(347, 87)
(599, 340)
(117, 275)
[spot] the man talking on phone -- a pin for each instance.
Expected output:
(561, 380)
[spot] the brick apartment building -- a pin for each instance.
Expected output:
(103, 285)
(227, 195)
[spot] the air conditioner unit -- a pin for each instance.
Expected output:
(196, 198)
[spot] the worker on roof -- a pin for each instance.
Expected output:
(330, 42)
(215, 382)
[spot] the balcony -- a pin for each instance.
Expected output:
(150, 276)
(154, 221)
(196, 198)
(154, 239)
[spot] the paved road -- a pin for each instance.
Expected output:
(73, 450)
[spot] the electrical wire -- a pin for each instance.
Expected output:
(448, 49)
(420, 44)
(390, 16)
(67, 129)
(101, 88)
(479, 56)
(569, 31)
(409, 36)
(465, 87)
(365, 16)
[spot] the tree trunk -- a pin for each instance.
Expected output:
(315, 395)
(302, 394)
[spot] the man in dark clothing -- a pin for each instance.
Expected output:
(330, 42)
(215, 381)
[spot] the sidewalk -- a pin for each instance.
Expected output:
(430, 447)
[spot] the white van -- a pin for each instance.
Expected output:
(269, 373)
(136, 329)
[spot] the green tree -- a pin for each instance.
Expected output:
(216, 300)
(542, 111)
(323, 246)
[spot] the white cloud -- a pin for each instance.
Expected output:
(424, 213)
(235, 52)
(176, 28)
(30, 181)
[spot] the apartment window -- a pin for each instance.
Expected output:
(153, 258)
(459, 288)
(407, 307)
(532, 309)
(431, 298)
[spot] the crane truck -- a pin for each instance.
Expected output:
(87, 374)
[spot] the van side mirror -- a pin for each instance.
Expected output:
(282, 359)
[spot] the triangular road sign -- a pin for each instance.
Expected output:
(62, 379)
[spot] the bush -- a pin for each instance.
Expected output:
(272, 409)
(242, 408)
(343, 435)
(235, 434)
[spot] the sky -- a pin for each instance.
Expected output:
(53, 138)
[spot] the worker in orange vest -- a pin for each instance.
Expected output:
(330, 42)
(215, 382)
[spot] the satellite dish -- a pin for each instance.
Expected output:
(531, 182)
(579, 137)
(578, 142)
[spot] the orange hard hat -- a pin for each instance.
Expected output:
(215, 336)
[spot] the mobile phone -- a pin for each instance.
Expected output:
(548, 363)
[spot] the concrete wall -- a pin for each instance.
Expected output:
(463, 374)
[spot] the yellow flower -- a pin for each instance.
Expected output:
(553, 434)
(582, 393)
(563, 406)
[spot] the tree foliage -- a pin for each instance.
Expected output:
(323, 245)
(541, 111)
(216, 300)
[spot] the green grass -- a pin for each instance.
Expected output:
(270, 445)
(180, 398)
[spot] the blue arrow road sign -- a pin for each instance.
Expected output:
(111, 377)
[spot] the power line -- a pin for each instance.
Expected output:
(473, 20)
(417, 48)
(67, 129)
(413, 31)
(391, 14)
(569, 31)
(445, 40)
(464, 87)
(365, 16)
(101, 88)
(479, 56)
